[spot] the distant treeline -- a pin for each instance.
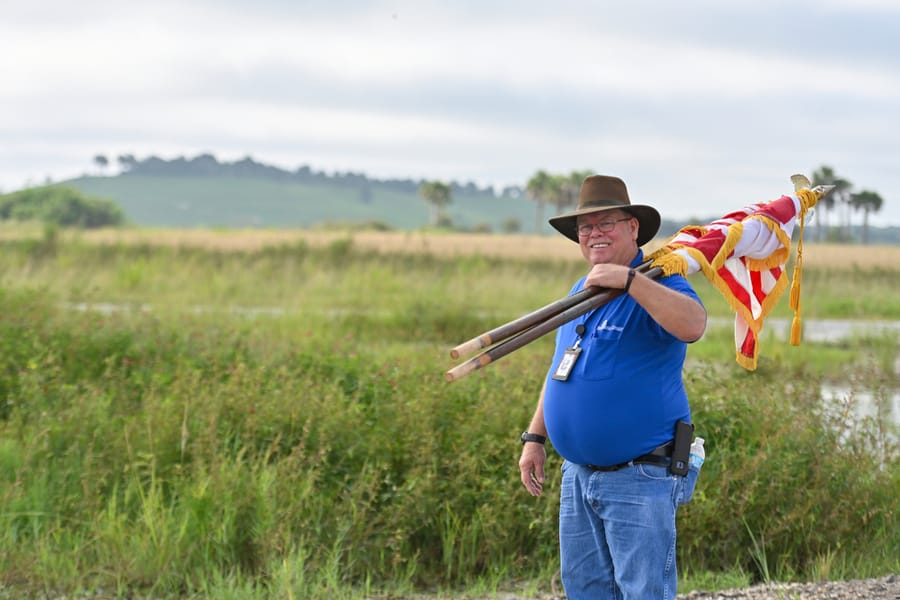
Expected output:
(206, 165)
(557, 190)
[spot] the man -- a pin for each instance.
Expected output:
(610, 404)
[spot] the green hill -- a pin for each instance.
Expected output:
(203, 192)
(224, 201)
(244, 202)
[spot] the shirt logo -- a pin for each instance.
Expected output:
(605, 326)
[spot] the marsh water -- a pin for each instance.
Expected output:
(881, 404)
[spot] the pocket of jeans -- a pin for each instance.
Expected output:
(657, 472)
(688, 484)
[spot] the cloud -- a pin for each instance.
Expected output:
(703, 98)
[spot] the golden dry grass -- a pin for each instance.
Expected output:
(446, 244)
(842, 256)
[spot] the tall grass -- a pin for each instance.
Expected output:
(178, 447)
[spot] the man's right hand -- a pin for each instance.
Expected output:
(531, 467)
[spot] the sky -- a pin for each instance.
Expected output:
(700, 106)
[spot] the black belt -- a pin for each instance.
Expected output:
(658, 456)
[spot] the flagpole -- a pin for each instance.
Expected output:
(527, 336)
(508, 330)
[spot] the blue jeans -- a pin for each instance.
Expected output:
(617, 531)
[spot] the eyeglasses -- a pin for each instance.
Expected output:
(585, 229)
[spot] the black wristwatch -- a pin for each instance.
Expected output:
(532, 437)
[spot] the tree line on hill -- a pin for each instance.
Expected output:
(65, 206)
(559, 190)
(207, 165)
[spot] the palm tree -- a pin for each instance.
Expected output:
(102, 162)
(825, 175)
(556, 195)
(437, 195)
(560, 193)
(538, 188)
(564, 190)
(572, 185)
(866, 201)
(126, 162)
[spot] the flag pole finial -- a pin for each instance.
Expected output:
(808, 194)
(801, 182)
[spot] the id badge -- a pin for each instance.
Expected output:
(567, 363)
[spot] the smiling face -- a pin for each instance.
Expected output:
(617, 245)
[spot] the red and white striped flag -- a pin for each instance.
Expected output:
(744, 254)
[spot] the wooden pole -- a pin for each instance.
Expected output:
(601, 296)
(498, 334)
(512, 328)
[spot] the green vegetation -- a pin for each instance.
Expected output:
(437, 195)
(191, 201)
(275, 424)
(59, 206)
(201, 192)
(559, 191)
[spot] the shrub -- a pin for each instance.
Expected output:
(60, 205)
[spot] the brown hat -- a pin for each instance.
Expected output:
(602, 192)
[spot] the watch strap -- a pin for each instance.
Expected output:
(532, 437)
(631, 274)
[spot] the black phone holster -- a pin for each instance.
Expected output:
(684, 434)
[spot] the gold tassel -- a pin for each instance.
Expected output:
(795, 304)
(795, 292)
(795, 330)
(795, 284)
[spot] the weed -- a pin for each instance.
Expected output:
(178, 443)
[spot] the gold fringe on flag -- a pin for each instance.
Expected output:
(672, 262)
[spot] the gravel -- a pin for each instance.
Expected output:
(881, 588)
(884, 588)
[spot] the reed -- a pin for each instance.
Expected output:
(178, 443)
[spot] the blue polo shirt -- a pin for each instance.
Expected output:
(625, 392)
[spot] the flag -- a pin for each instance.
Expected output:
(743, 255)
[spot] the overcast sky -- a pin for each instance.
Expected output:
(701, 106)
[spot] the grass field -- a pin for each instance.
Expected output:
(553, 247)
(263, 414)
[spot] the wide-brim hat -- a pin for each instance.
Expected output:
(603, 192)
